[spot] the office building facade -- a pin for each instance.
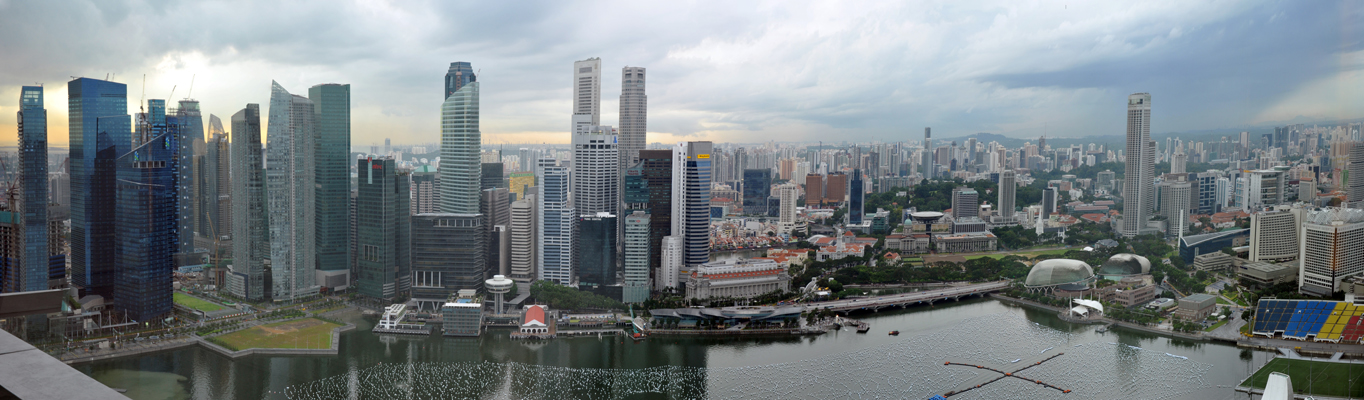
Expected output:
(857, 197)
(634, 115)
(247, 277)
(596, 170)
(595, 261)
(556, 223)
(290, 178)
(32, 268)
(691, 199)
(757, 188)
(1332, 242)
(191, 144)
(383, 230)
(331, 108)
(1137, 185)
(460, 167)
(100, 130)
(522, 232)
(447, 255)
(635, 265)
(148, 220)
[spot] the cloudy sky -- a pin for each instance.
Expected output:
(724, 71)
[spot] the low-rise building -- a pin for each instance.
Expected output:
(463, 315)
(965, 242)
(737, 279)
(1264, 273)
(535, 324)
(1196, 307)
(1215, 261)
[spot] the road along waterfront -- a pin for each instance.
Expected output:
(1119, 363)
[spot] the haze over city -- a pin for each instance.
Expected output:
(870, 71)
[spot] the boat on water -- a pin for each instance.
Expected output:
(864, 328)
(1014, 361)
(895, 333)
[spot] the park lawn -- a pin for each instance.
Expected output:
(1222, 301)
(195, 302)
(1313, 377)
(307, 333)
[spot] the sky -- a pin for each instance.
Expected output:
(738, 72)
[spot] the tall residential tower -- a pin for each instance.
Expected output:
(1137, 186)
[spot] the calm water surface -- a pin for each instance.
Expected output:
(905, 366)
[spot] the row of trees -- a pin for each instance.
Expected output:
(567, 298)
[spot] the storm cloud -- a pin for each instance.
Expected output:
(724, 71)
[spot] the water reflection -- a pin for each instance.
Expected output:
(833, 365)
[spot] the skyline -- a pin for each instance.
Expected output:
(876, 73)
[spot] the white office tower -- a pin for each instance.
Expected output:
(251, 248)
(672, 261)
(691, 200)
(586, 94)
(556, 223)
(523, 248)
(1137, 187)
(636, 260)
(1179, 161)
(634, 115)
(1175, 205)
(460, 170)
(1007, 188)
(596, 170)
(787, 194)
(289, 177)
(1274, 234)
(1332, 242)
(1354, 196)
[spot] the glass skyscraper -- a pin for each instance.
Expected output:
(148, 219)
(331, 105)
(250, 226)
(191, 140)
(100, 130)
(460, 167)
(460, 74)
(383, 226)
(290, 178)
(557, 223)
(596, 258)
(691, 200)
(33, 187)
(757, 187)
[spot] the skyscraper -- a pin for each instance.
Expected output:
(857, 197)
(100, 130)
(460, 168)
(148, 221)
(383, 219)
(649, 188)
(634, 115)
(523, 233)
(248, 278)
(596, 170)
(1049, 198)
(555, 239)
(1354, 195)
(596, 249)
(637, 258)
(447, 256)
(757, 187)
(927, 170)
(1007, 189)
(425, 195)
(32, 201)
(1137, 186)
(331, 108)
(1330, 249)
(290, 178)
(788, 193)
(461, 73)
(215, 188)
(691, 200)
(965, 203)
(191, 139)
(586, 94)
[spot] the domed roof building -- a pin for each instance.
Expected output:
(1060, 273)
(1125, 264)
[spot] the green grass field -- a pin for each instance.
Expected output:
(1314, 377)
(307, 333)
(1025, 254)
(195, 303)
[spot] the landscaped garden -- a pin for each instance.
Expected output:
(307, 333)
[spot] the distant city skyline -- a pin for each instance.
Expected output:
(740, 75)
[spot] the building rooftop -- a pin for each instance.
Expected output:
(29, 373)
(1058, 271)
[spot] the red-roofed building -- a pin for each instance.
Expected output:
(535, 323)
(737, 279)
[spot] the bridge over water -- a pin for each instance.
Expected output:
(908, 299)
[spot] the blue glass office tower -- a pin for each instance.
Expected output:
(857, 197)
(100, 130)
(33, 261)
(147, 222)
(191, 139)
(757, 187)
(691, 200)
(331, 105)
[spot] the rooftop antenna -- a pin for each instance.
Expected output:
(191, 88)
